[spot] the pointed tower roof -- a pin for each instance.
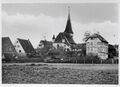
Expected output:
(68, 28)
(53, 37)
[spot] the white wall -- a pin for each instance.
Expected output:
(98, 48)
(42, 45)
(61, 45)
(22, 53)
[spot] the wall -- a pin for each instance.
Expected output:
(61, 45)
(97, 47)
(18, 47)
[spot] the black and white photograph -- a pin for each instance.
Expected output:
(60, 43)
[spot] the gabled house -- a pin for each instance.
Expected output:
(45, 44)
(24, 47)
(44, 47)
(65, 39)
(97, 45)
(8, 50)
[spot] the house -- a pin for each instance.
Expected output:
(45, 44)
(8, 50)
(97, 45)
(65, 39)
(24, 47)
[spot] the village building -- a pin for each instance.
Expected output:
(44, 47)
(24, 47)
(8, 50)
(45, 44)
(97, 45)
(65, 39)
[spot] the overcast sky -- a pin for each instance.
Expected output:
(37, 21)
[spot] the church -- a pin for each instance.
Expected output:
(65, 39)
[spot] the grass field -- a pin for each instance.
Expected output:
(53, 73)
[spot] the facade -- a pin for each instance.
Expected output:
(8, 49)
(97, 45)
(65, 39)
(24, 47)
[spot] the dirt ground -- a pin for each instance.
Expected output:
(57, 73)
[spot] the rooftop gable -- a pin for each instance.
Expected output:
(97, 36)
(68, 39)
(27, 46)
(7, 45)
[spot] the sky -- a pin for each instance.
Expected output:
(43, 20)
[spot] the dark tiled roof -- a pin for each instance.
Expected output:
(68, 39)
(27, 46)
(7, 46)
(97, 36)
(45, 42)
(68, 28)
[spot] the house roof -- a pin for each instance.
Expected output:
(27, 46)
(45, 42)
(7, 46)
(68, 28)
(97, 36)
(68, 39)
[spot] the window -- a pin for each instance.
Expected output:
(99, 43)
(88, 48)
(40, 45)
(91, 49)
(17, 41)
(91, 43)
(57, 45)
(88, 43)
(19, 51)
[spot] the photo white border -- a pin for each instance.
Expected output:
(56, 1)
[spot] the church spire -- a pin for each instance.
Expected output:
(68, 28)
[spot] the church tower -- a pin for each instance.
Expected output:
(68, 28)
(65, 39)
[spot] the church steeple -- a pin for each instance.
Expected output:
(68, 28)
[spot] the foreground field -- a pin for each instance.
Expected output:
(60, 73)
